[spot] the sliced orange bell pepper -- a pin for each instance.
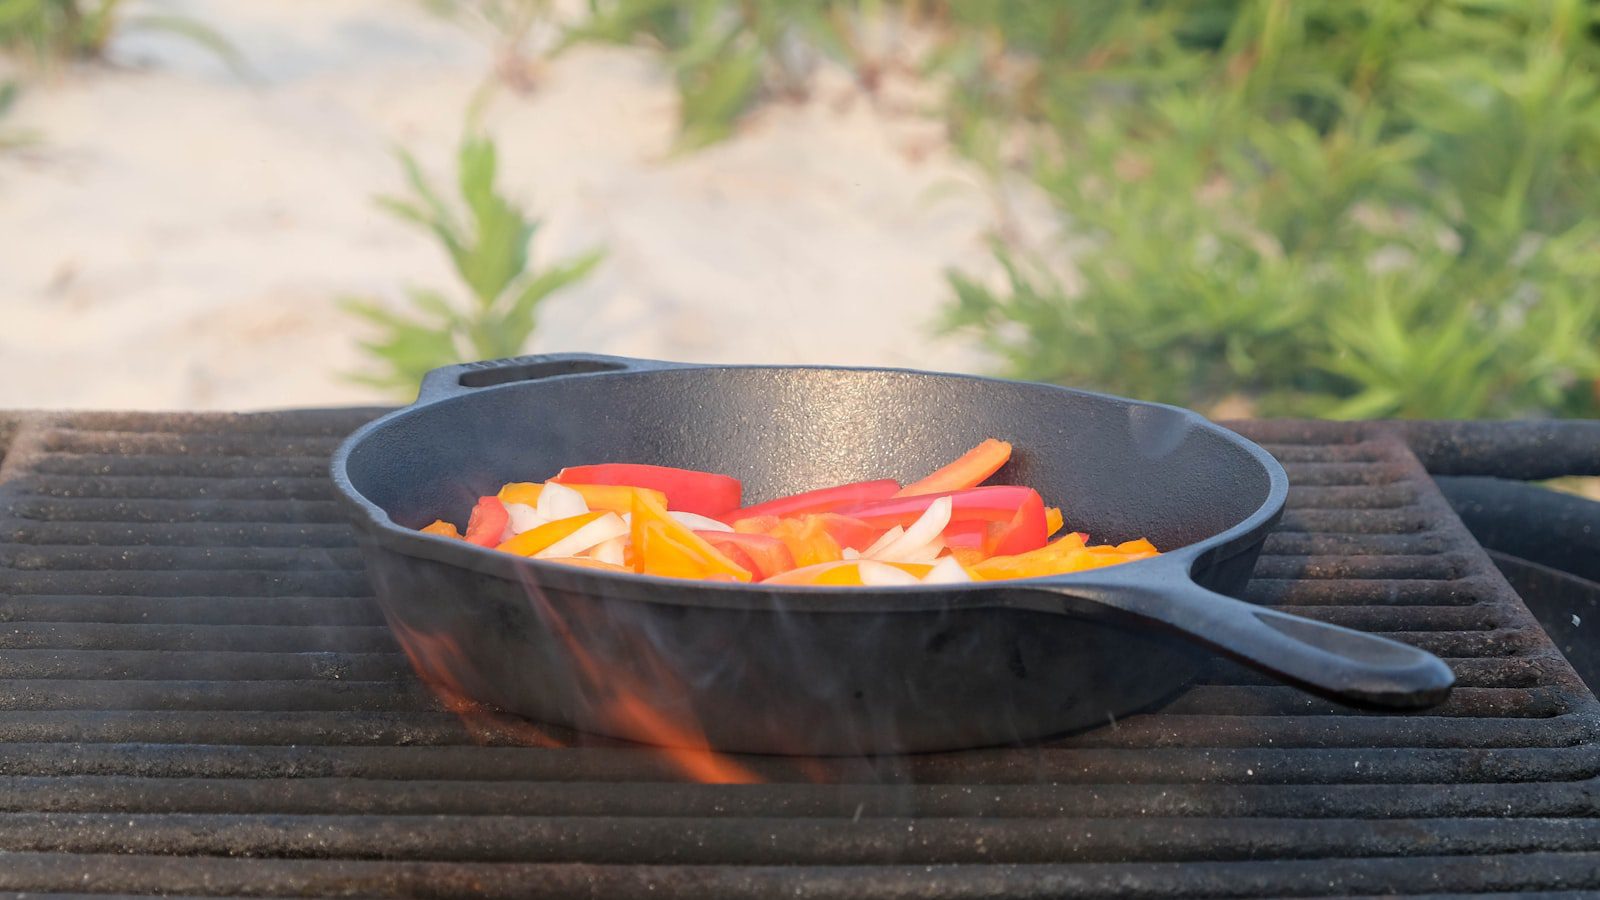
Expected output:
(1141, 545)
(617, 498)
(968, 470)
(968, 556)
(808, 541)
(1052, 521)
(659, 551)
(442, 528)
(756, 525)
(535, 539)
(664, 546)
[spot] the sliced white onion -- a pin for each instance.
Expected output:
(913, 545)
(946, 571)
(524, 517)
(557, 501)
(610, 551)
(925, 554)
(850, 553)
(604, 528)
(884, 540)
(697, 522)
(877, 574)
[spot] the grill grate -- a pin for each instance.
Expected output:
(197, 696)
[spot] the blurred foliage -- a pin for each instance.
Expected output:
(10, 137)
(1333, 207)
(52, 31)
(1338, 208)
(489, 251)
(717, 52)
(1316, 207)
(728, 56)
(509, 24)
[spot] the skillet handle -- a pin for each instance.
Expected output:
(460, 379)
(1348, 665)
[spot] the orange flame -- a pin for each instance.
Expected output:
(683, 746)
(432, 657)
(683, 743)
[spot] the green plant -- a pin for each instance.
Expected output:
(56, 30)
(488, 248)
(1340, 208)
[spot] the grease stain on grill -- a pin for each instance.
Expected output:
(192, 668)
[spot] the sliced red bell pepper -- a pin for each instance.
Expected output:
(969, 535)
(706, 493)
(767, 555)
(819, 501)
(1028, 529)
(968, 471)
(994, 503)
(488, 522)
(735, 553)
(1015, 513)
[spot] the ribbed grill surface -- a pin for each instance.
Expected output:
(198, 696)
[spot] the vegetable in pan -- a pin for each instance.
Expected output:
(680, 523)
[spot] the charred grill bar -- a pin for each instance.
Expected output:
(198, 696)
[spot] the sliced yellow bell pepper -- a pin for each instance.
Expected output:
(584, 562)
(1046, 560)
(1065, 555)
(664, 546)
(535, 539)
(839, 573)
(617, 498)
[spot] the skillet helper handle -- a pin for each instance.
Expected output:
(1345, 664)
(460, 379)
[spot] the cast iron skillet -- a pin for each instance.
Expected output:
(834, 670)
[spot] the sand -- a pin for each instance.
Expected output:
(180, 238)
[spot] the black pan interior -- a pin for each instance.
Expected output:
(1119, 469)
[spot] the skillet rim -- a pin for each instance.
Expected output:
(1177, 563)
